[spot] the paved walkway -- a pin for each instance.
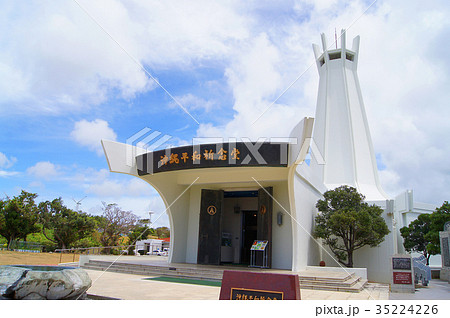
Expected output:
(436, 290)
(135, 287)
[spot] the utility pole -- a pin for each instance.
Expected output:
(150, 217)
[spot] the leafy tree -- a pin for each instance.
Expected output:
(162, 232)
(88, 241)
(67, 225)
(346, 223)
(18, 216)
(39, 237)
(422, 234)
(136, 234)
(438, 218)
(114, 223)
(414, 235)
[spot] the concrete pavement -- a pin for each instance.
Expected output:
(135, 287)
(436, 290)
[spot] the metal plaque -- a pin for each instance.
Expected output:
(401, 263)
(402, 278)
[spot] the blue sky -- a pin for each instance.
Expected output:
(65, 83)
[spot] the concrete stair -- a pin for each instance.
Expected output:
(169, 271)
(331, 281)
(343, 282)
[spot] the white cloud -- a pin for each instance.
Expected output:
(403, 76)
(255, 78)
(44, 170)
(6, 162)
(95, 186)
(56, 59)
(110, 187)
(128, 192)
(141, 206)
(90, 133)
(37, 184)
(192, 102)
(4, 173)
(103, 183)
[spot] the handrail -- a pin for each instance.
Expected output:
(90, 248)
(80, 250)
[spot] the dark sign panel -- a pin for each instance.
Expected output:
(214, 156)
(402, 278)
(244, 285)
(401, 263)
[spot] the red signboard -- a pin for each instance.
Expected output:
(402, 278)
(240, 285)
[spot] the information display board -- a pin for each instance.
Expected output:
(259, 245)
(258, 254)
(403, 278)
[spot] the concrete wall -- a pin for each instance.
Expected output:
(282, 241)
(192, 224)
(306, 250)
(361, 272)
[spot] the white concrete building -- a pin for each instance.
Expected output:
(222, 197)
(149, 246)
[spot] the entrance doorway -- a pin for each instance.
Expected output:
(229, 224)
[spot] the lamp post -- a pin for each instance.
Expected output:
(150, 217)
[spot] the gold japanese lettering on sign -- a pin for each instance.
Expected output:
(255, 294)
(222, 154)
(196, 156)
(234, 154)
(250, 297)
(184, 156)
(208, 155)
(163, 161)
(174, 158)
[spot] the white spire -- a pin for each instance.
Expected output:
(341, 132)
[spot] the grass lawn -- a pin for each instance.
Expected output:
(11, 258)
(186, 281)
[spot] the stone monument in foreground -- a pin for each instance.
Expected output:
(43, 282)
(402, 274)
(444, 237)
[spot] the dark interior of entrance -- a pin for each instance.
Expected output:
(230, 221)
(249, 234)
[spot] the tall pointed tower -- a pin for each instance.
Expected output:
(341, 132)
